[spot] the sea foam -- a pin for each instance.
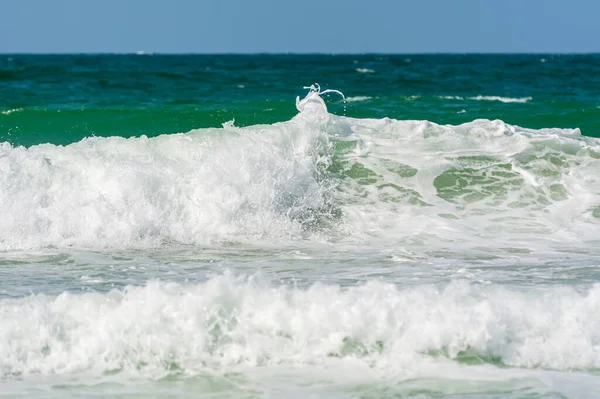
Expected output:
(189, 187)
(358, 99)
(489, 98)
(230, 322)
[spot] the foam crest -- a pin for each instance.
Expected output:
(10, 111)
(358, 99)
(230, 322)
(210, 184)
(490, 98)
(313, 102)
(501, 99)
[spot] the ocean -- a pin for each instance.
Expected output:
(300, 226)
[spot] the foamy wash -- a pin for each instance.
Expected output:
(325, 255)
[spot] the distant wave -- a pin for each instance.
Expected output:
(358, 99)
(502, 99)
(489, 98)
(365, 70)
(10, 111)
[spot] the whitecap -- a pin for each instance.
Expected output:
(501, 99)
(10, 111)
(358, 99)
(451, 97)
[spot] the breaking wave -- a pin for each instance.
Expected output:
(318, 176)
(230, 322)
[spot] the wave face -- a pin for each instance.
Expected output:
(190, 188)
(230, 323)
(317, 176)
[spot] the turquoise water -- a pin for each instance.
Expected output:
(131, 95)
(184, 226)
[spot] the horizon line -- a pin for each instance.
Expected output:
(143, 52)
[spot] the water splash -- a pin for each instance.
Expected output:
(313, 100)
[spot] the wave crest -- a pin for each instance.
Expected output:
(317, 175)
(231, 322)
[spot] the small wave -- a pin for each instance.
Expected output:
(488, 98)
(451, 97)
(365, 70)
(358, 99)
(10, 111)
(502, 99)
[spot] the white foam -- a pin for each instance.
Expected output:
(231, 322)
(205, 185)
(501, 99)
(451, 97)
(479, 172)
(358, 99)
(489, 98)
(10, 111)
(365, 70)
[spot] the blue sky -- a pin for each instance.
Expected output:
(321, 26)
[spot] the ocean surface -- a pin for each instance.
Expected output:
(184, 226)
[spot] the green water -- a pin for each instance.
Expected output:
(63, 98)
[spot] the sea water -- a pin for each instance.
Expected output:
(172, 226)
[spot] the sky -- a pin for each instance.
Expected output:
(299, 26)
